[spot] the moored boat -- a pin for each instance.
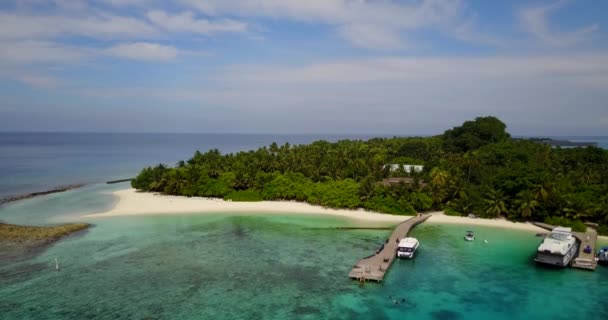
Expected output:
(602, 256)
(469, 236)
(407, 247)
(558, 248)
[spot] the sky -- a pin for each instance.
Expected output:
(411, 67)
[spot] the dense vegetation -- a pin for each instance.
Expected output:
(472, 169)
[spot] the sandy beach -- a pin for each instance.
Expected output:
(439, 217)
(130, 203)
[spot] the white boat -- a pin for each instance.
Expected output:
(602, 256)
(407, 247)
(469, 236)
(558, 248)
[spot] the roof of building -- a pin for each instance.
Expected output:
(406, 167)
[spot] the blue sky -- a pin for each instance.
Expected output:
(292, 66)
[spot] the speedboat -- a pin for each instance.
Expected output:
(469, 236)
(407, 247)
(602, 256)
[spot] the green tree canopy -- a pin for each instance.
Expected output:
(475, 134)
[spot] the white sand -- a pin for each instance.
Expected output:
(131, 202)
(439, 217)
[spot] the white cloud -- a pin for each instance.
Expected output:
(27, 26)
(371, 24)
(38, 80)
(412, 95)
(144, 51)
(418, 69)
(123, 3)
(28, 52)
(186, 22)
(536, 21)
(372, 36)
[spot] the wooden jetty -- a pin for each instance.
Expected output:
(375, 266)
(588, 238)
(586, 260)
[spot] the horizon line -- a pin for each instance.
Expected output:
(383, 135)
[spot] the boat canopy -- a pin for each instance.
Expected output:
(408, 243)
(562, 229)
(561, 233)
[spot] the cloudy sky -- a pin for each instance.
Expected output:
(303, 66)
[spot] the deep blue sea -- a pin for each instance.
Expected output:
(249, 265)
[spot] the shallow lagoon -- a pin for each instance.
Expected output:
(222, 266)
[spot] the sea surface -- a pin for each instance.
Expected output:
(602, 141)
(252, 266)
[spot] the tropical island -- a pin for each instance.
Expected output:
(475, 169)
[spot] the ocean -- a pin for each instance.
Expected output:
(250, 266)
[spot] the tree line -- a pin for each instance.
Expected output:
(475, 168)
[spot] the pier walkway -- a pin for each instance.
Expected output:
(586, 260)
(375, 267)
(589, 238)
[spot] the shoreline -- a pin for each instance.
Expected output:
(132, 203)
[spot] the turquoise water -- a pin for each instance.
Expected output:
(223, 266)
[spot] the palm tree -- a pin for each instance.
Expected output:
(439, 177)
(600, 210)
(495, 203)
(159, 185)
(526, 204)
(470, 159)
(462, 204)
(439, 182)
(543, 190)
